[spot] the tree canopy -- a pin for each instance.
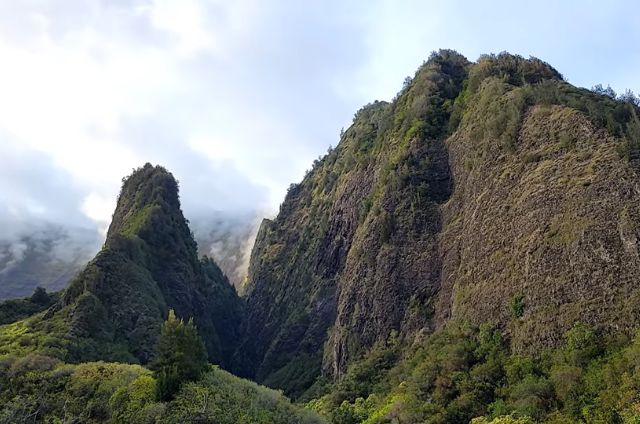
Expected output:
(181, 356)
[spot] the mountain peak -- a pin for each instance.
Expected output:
(114, 308)
(149, 190)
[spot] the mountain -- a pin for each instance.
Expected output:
(47, 256)
(468, 253)
(113, 309)
(484, 192)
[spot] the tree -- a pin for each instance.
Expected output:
(40, 296)
(181, 356)
(517, 306)
(629, 97)
(598, 89)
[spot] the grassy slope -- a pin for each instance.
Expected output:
(38, 388)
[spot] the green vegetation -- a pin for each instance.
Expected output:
(181, 356)
(466, 373)
(222, 398)
(41, 389)
(17, 309)
(136, 221)
(500, 88)
(114, 309)
(413, 180)
(183, 388)
(347, 205)
(517, 306)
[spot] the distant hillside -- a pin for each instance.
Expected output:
(49, 256)
(227, 238)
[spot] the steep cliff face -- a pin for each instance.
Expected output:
(549, 221)
(114, 308)
(352, 255)
(492, 191)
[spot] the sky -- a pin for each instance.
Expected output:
(237, 98)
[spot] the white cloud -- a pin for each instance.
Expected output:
(184, 21)
(66, 93)
(98, 208)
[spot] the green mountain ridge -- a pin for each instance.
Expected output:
(479, 184)
(468, 250)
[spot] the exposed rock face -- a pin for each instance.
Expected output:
(555, 221)
(479, 185)
(352, 255)
(148, 264)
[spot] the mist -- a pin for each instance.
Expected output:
(228, 239)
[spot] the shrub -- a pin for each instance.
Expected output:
(517, 306)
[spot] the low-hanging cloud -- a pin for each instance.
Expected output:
(45, 235)
(205, 88)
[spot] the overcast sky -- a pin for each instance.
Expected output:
(238, 97)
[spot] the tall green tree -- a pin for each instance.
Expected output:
(181, 356)
(40, 296)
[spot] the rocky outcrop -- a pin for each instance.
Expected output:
(492, 191)
(352, 255)
(148, 264)
(552, 222)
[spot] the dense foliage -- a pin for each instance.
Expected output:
(114, 309)
(17, 309)
(41, 389)
(183, 388)
(465, 373)
(181, 356)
